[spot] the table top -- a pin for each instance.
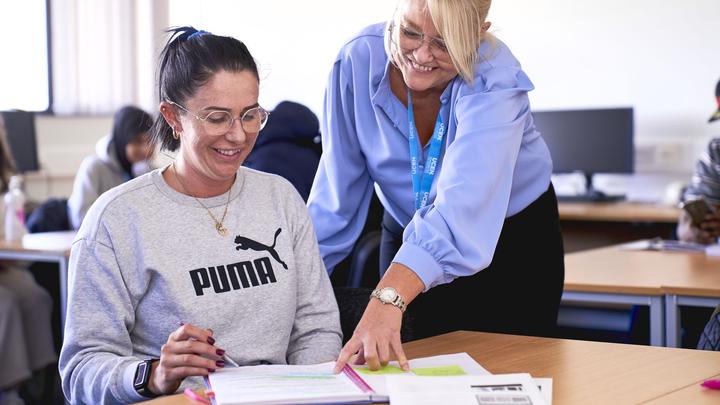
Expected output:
(623, 211)
(617, 270)
(582, 372)
(43, 242)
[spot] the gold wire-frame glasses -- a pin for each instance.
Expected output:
(410, 39)
(217, 122)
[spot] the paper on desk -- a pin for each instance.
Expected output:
(664, 245)
(456, 364)
(516, 389)
(273, 384)
(545, 387)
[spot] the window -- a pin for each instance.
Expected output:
(24, 70)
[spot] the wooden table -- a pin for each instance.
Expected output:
(662, 280)
(588, 225)
(52, 247)
(613, 276)
(623, 211)
(583, 372)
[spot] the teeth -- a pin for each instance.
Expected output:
(419, 67)
(227, 152)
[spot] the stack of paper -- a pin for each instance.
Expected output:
(446, 376)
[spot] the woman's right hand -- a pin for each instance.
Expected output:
(189, 351)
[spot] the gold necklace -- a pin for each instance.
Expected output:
(219, 227)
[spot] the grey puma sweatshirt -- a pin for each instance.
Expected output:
(147, 258)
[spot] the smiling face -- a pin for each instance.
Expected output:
(426, 67)
(207, 163)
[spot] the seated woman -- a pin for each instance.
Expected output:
(119, 157)
(25, 312)
(200, 262)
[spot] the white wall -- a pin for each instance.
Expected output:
(660, 56)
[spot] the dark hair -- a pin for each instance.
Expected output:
(190, 58)
(128, 123)
(7, 165)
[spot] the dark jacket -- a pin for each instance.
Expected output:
(289, 146)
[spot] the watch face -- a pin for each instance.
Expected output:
(140, 373)
(387, 294)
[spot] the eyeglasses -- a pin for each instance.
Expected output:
(218, 122)
(411, 39)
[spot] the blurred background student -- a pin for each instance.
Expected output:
(705, 185)
(27, 347)
(119, 156)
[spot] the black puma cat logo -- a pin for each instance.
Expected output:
(247, 243)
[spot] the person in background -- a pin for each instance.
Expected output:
(199, 262)
(25, 312)
(434, 113)
(705, 185)
(119, 157)
(290, 146)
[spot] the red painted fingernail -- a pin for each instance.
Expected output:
(211, 340)
(220, 352)
(181, 323)
(212, 370)
(220, 363)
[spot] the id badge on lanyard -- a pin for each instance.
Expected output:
(421, 183)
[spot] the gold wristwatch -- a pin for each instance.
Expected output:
(389, 295)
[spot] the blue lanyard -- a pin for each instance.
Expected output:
(421, 184)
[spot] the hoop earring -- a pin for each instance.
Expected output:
(175, 135)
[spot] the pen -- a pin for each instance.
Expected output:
(231, 361)
(225, 356)
(712, 384)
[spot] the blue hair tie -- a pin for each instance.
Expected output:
(198, 33)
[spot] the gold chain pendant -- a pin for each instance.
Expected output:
(221, 229)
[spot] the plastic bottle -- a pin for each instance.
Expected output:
(15, 210)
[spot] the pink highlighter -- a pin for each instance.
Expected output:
(712, 384)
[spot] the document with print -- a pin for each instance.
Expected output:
(446, 365)
(516, 389)
(316, 384)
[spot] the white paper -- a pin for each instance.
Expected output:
(545, 387)
(277, 384)
(516, 389)
(462, 360)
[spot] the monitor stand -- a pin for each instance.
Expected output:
(591, 193)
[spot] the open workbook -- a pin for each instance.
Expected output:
(316, 384)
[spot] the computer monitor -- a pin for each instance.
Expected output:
(20, 129)
(589, 141)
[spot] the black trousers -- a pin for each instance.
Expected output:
(518, 293)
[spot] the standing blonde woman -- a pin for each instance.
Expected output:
(433, 112)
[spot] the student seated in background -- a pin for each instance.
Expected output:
(119, 157)
(27, 346)
(706, 185)
(200, 262)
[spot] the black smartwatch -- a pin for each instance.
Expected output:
(142, 377)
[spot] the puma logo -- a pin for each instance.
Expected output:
(247, 243)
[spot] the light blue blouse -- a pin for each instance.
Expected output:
(493, 163)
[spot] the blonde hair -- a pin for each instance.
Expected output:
(460, 23)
